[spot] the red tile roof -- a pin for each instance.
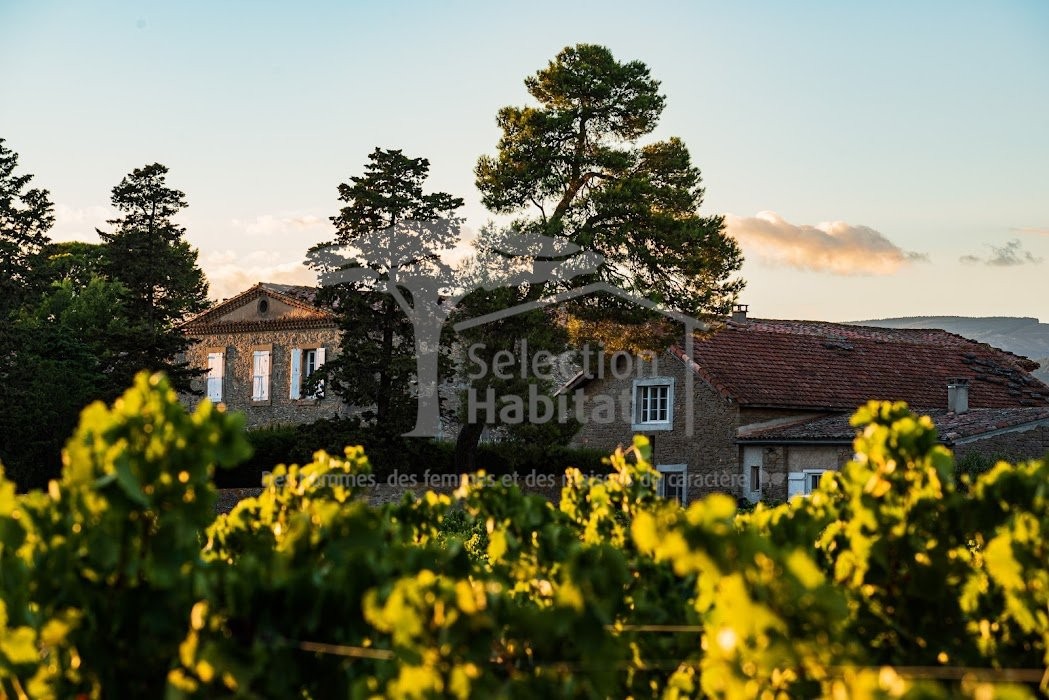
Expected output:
(951, 426)
(818, 365)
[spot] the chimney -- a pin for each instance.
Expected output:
(739, 313)
(958, 395)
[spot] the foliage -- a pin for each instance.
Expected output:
(377, 362)
(119, 582)
(574, 166)
(395, 454)
(26, 216)
(100, 571)
(146, 252)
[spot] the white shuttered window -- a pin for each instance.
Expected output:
(216, 366)
(305, 362)
(260, 385)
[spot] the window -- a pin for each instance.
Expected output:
(260, 384)
(813, 479)
(755, 477)
(304, 362)
(216, 362)
(673, 482)
(653, 403)
(804, 482)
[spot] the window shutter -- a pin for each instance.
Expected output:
(296, 373)
(795, 484)
(261, 375)
(318, 364)
(266, 375)
(216, 362)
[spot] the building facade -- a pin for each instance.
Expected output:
(259, 349)
(761, 409)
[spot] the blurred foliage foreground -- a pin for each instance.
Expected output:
(889, 581)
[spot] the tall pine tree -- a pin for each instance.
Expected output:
(376, 366)
(26, 215)
(574, 165)
(147, 254)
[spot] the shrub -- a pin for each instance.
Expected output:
(307, 591)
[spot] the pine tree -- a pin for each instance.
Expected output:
(26, 215)
(147, 254)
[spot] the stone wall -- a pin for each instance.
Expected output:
(711, 456)
(1015, 445)
(280, 408)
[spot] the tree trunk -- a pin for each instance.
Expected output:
(466, 447)
(382, 400)
(427, 331)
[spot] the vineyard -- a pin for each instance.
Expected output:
(893, 579)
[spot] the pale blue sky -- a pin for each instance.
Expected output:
(926, 122)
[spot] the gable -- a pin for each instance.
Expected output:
(261, 307)
(265, 307)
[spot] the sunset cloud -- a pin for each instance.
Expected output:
(230, 273)
(276, 224)
(1035, 230)
(1009, 255)
(79, 223)
(835, 247)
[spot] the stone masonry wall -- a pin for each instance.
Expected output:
(1014, 446)
(237, 381)
(711, 455)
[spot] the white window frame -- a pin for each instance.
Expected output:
(751, 486)
(216, 374)
(673, 469)
(640, 385)
(261, 374)
(753, 458)
(805, 476)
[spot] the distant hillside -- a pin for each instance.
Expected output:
(1023, 336)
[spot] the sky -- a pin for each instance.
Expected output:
(873, 159)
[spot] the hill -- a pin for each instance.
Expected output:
(1021, 335)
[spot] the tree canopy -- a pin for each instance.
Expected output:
(390, 236)
(146, 252)
(574, 165)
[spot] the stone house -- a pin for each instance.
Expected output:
(761, 409)
(259, 348)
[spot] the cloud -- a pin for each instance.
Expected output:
(835, 247)
(230, 272)
(1009, 255)
(275, 224)
(79, 223)
(1035, 230)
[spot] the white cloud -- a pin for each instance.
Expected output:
(835, 247)
(276, 224)
(231, 273)
(79, 223)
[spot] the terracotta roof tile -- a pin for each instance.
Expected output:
(951, 426)
(829, 366)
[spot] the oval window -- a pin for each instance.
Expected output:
(264, 306)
